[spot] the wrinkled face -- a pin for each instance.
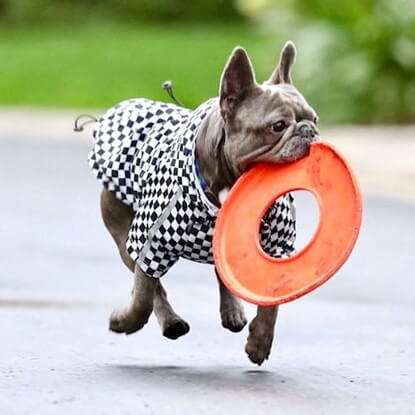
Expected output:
(270, 122)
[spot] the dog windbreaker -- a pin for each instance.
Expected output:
(144, 152)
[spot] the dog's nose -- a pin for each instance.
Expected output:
(305, 130)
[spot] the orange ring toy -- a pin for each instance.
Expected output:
(246, 269)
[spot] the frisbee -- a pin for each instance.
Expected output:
(244, 267)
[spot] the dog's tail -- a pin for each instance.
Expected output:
(78, 126)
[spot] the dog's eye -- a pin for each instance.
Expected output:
(278, 126)
(315, 120)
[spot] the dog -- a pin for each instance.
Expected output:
(166, 170)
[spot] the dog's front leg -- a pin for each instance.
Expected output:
(133, 317)
(261, 334)
(231, 310)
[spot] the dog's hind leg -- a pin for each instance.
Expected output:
(117, 218)
(231, 310)
(133, 317)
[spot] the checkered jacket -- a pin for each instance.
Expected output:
(144, 152)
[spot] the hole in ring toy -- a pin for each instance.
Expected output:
(250, 273)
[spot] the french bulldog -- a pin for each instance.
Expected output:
(166, 170)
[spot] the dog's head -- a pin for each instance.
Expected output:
(271, 122)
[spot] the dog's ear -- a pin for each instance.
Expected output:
(282, 73)
(237, 78)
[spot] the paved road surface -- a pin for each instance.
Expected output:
(349, 347)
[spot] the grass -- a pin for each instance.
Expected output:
(98, 65)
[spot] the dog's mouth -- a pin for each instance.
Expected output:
(246, 162)
(277, 153)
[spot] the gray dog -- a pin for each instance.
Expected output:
(166, 170)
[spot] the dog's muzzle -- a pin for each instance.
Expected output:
(307, 130)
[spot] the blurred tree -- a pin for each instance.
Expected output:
(356, 57)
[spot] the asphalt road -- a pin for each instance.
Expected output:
(348, 347)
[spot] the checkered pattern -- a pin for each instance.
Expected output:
(144, 153)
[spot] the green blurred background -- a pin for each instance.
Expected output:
(356, 58)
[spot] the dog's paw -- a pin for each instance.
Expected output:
(127, 321)
(258, 346)
(175, 328)
(233, 318)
